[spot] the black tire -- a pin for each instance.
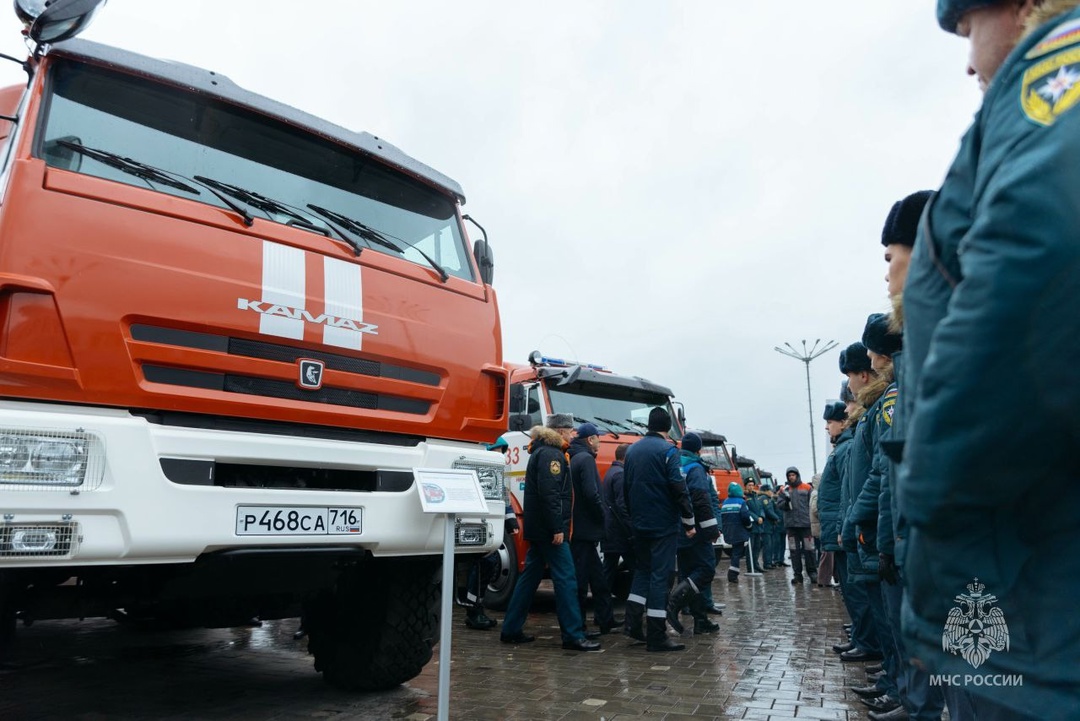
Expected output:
(501, 587)
(376, 628)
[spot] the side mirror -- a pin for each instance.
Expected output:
(485, 259)
(520, 422)
(517, 398)
(57, 20)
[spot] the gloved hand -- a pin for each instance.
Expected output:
(511, 526)
(887, 570)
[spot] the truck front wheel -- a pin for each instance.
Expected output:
(377, 627)
(501, 587)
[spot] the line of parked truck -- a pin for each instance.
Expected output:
(619, 406)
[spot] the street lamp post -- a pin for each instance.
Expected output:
(807, 355)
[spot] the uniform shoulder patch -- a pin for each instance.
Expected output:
(888, 407)
(555, 468)
(1062, 36)
(1051, 86)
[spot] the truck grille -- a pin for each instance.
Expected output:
(275, 388)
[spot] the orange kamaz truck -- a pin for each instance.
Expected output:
(229, 332)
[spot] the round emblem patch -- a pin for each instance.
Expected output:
(556, 468)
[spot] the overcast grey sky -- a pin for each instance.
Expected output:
(671, 188)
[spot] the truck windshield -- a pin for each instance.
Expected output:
(716, 456)
(631, 411)
(190, 135)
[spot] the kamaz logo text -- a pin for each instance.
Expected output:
(284, 311)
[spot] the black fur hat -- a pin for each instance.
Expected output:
(659, 420)
(903, 221)
(853, 359)
(876, 336)
(835, 411)
(845, 393)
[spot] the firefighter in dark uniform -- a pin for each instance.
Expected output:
(991, 336)
(660, 510)
(696, 557)
(548, 502)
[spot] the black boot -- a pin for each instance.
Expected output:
(657, 639)
(679, 595)
(704, 625)
(632, 625)
(733, 575)
(475, 618)
(699, 609)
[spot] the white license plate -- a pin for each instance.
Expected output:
(297, 521)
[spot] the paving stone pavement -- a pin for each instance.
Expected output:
(771, 659)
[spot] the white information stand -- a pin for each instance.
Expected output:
(754, 570)
(448, 492)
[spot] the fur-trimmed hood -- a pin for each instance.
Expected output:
(547, 436)
(876, 387)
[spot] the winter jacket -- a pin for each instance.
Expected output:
(698, 482)
(865, 509)
(774, 520)
(993, 289)
(755, 504)
(829, 491)
(735, 517)
(886, 523)
(548, 492)
(655, 489)
(588, 506)
(794, 501)
(861, 472)
(617, 528)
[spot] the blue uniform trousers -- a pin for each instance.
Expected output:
(922, 701)
(697, 561)
(564, 579)
(737, 551)
(656, 562)
(590, 574)
(890, 661)
(863, 634)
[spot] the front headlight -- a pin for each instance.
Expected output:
(50, 458)
(491, 477)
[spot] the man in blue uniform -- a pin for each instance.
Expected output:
(696, 557)
(548, 500)
(588, 526)
(991, 334)
(659, 510)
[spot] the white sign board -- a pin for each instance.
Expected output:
(449, 490)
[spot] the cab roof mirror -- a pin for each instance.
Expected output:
(51, 21)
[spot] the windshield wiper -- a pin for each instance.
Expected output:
(260, 202)
(373, 236)
(129, 166)
(610, 423)
(269, 205)
(156, 175)
(639, 424)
